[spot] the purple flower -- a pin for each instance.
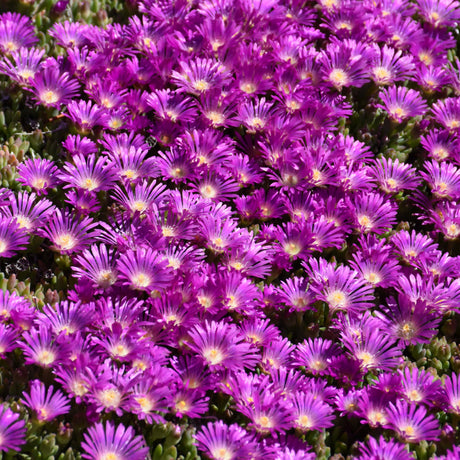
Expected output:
(46, 404)
(28, 212)
(310, 413)
(402, 103)
(97, 263)
(22, 65)
(113, 441)
(67, 234)
(452, 393)
(443, 179)
(373, 213)
(86, 115)
(419, 386)
(200, 75)
(412, 423)
(447, 113)
(390, 65)
(12, 430)
(16, 31)
(88, 173)
(393, 176)
(220, 441)
(315, 355)
(144, 270)
(222, 345)
(12, 237)
(53, 88)
(382, 449)
(439, 13)
(39, 174)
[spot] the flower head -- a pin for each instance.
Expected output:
(112, 442)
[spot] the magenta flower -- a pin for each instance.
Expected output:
(310, 413)
(16, 31)
(13, 238)
(22, 65)
(46, 404)
(381, 449)
(221, 441)
(390, 65)
(28, 212)
(97, 263)
(402, 103)
(52, 88)
(222, 345)
(110, 441)
(39, 174)
(88, 173)
(452, 393)
(144, 270)
(68, 234)
(412, 423)
(12, 430)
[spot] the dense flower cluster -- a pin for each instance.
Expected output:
(251, 212)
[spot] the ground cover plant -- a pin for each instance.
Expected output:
(229, 229)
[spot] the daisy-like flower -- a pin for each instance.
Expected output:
(69, 34)
(413, 246)
(113, 442)
(412, 423)
(390, 65)
(143, 197)
(216, 188)
(200, 75)
(344, 290)
(345, 64)
(255, 115)
(379, 270)
(68, 234)
(16, 31)
(39, 174)
(12, 430)
(27, 211)
(440, 13)
(88, 173)
(46, 403)
(419, 386)
(452, 393)
(13, 238)
(268, 413)
(222, 345)
(310, 413)
(40, 348)
(402, 103)
(97, 263)
(440, 144)
(393, 176)
(374, 349)
(315, 355)
(373, 213)
(443, 179)
(381, 449)
(52, 88)
(173, 106)
(85, 114)
(447, 113)
(22, 64)
(223, 442)
(144, 270)
(295, 293)
(65, 317)
(8, 339)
